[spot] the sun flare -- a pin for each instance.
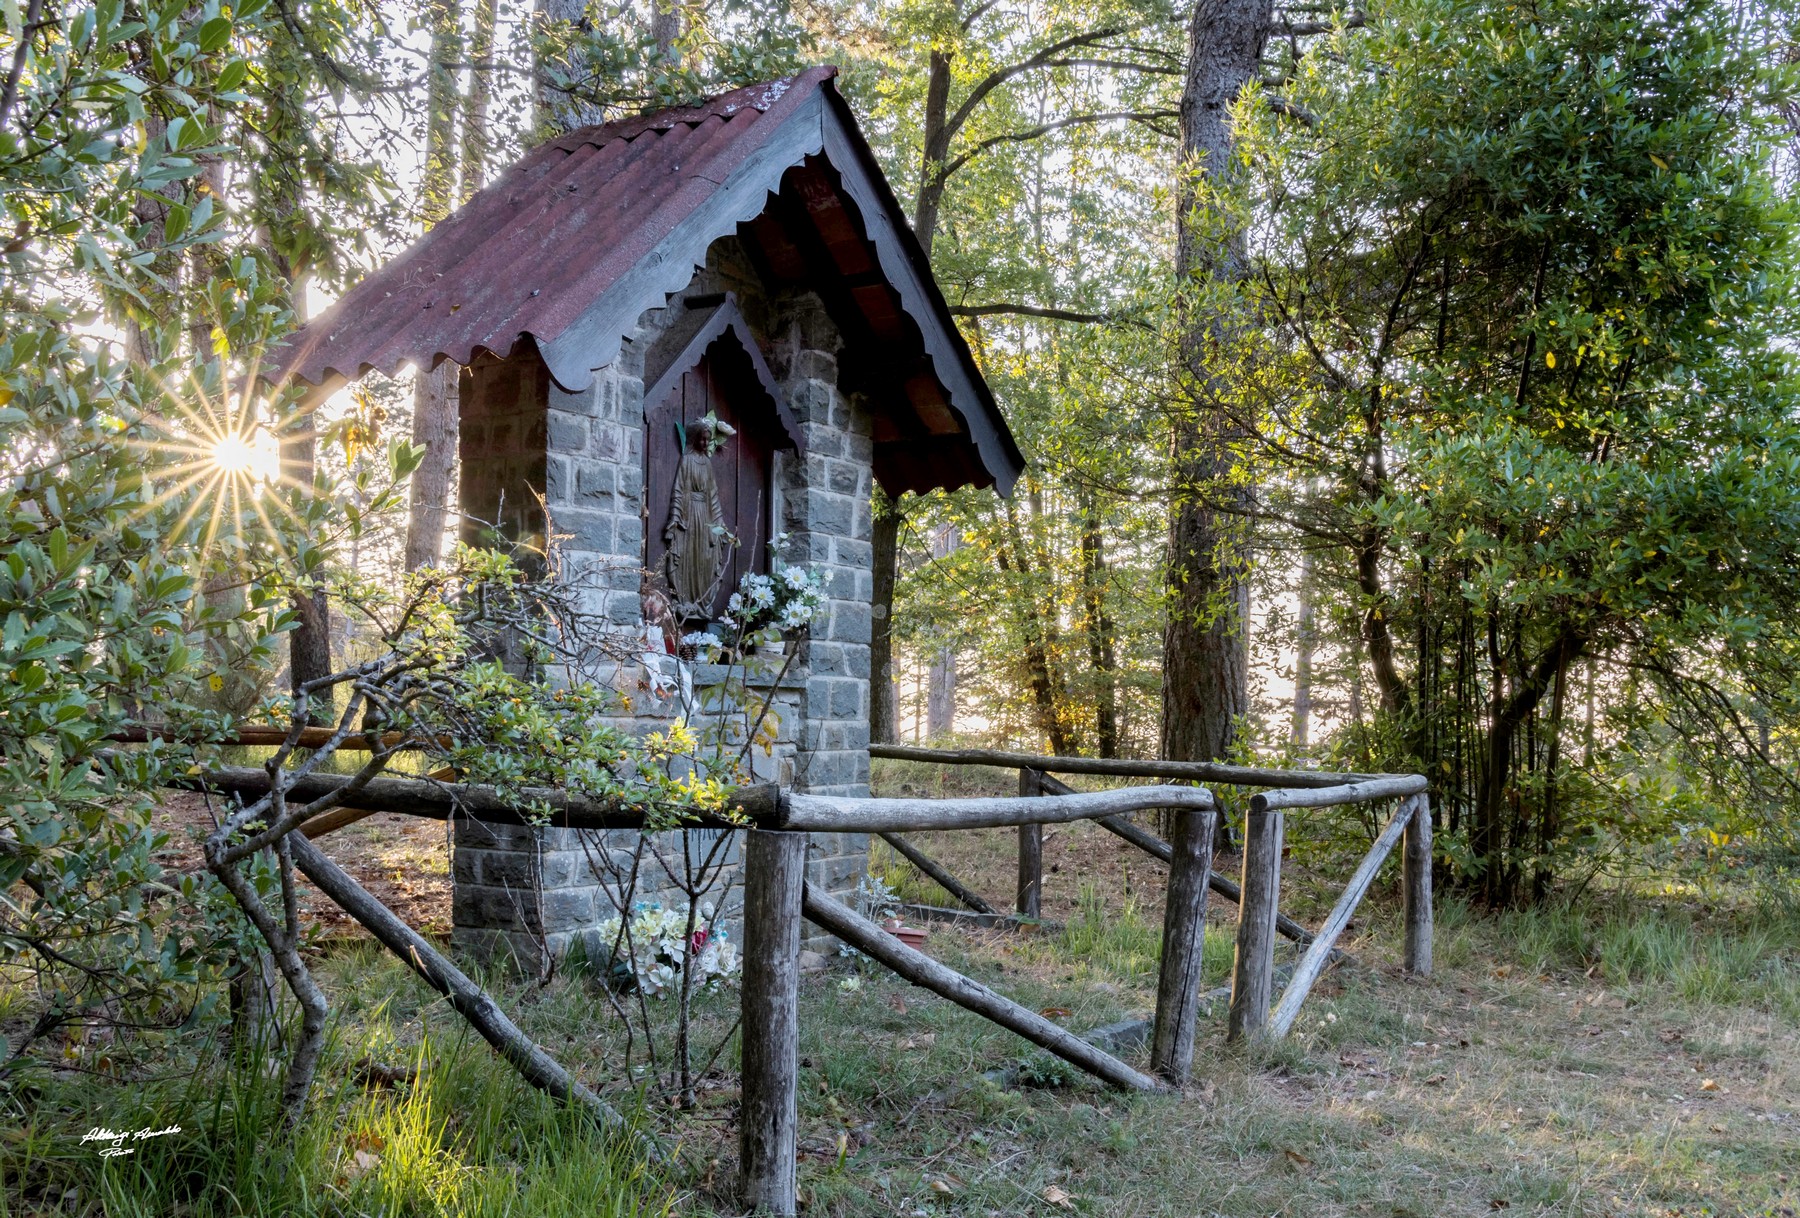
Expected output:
(250, 456)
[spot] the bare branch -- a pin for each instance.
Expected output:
(1025, 310)
(1043, 129)
(999, 76)
(1306, 29)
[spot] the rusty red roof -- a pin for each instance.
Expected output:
(569, 246)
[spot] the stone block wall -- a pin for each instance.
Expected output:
(502, 442)
(516, 889)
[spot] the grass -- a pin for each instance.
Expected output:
(1618, 1058)
(1513, 1081)
(463, 1138)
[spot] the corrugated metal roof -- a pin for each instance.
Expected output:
(584, 233)
(529, 253)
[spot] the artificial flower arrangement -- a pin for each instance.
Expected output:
(785, 601)
(659, 948)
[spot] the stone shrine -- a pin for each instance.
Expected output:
(682, 335)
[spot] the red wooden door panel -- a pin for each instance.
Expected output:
(743, 466)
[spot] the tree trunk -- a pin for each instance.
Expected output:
(665, 29)
(884, 696)
(434, 389)
(1304, 638)
(884, 693)
(935, 152)
(1038, 660)
(279, 208)
(1512, 703)
(1101, 631)
(477, 139)
(142, 345)
(940, 678)
(557, 109)
(1205, 652)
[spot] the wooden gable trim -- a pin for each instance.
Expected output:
(904, 263)
(594, 339)
(726, 322)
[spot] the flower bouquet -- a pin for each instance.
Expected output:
(658, 948)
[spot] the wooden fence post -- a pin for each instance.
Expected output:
(1416, 851)
(774, 882)
(1031, 853)
(1253, 972)
(1184, 942)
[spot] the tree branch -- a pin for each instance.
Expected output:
(1043, 129)
(10, 92)
(999, 76)
(1306, 29)
(1122, 65)
(1287, 109)
(1049, 314)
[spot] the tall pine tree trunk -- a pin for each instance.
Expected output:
(940, 678)
(434, 391)
(665, 29)
(558, 107)
(1101, 632)
(884, 686)
(1305, 637)
(477, 138)
(279, 208)
(1205, 651)
(1040, 642)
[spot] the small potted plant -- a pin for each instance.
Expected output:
(912, 936)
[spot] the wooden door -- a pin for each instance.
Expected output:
(743, 467)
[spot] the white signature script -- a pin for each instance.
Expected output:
(115, 1139)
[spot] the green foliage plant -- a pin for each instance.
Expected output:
(1516, 360)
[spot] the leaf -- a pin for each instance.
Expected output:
(361, 1163)
(1056, 1196)
(1658, 161)
(1549, 359)
(215, 34)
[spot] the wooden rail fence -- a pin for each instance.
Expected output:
(776, 899)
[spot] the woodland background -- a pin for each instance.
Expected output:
(1403, 387)
(1275, 301)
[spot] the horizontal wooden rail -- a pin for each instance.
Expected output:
(1203, 771)
(840, 814)
(1281, 1020)
(274, 737)
(442, 800)
(767, 807)
(829, 914)
(1156, 848)
(1360, 792)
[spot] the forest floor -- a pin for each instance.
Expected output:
(1617, 1058)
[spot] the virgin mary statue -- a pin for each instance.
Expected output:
(696, 534)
